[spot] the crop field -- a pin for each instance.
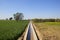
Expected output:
(49, 30)
(11, 30)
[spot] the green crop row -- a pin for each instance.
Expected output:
(11, 30)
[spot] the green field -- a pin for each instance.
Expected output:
(11, 30)
(49, 30)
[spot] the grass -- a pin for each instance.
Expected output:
(11, 30)
(49, 30)
(53, 23)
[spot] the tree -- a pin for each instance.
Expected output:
(10, 18)
(18, 16)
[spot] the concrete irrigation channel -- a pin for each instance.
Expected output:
(30, 33)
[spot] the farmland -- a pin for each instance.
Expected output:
(11, 30)
(49, 30)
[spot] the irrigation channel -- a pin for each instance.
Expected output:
(30, 33)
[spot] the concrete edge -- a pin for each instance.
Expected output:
(25, 36)
(38, 33)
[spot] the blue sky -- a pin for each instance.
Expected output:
(30, 8)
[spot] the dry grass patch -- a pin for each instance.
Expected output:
(49, 30)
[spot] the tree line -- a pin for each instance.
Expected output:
(46, 20)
